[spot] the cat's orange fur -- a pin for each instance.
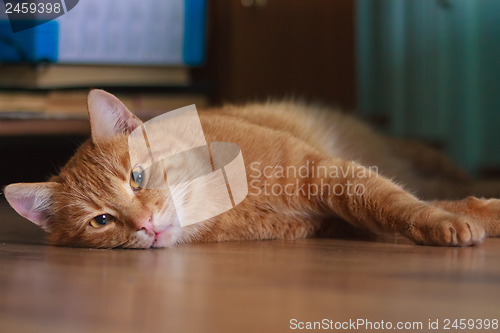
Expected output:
(274, 135)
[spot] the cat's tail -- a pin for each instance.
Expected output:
(436, 176)
(427, 161)
(444, 189)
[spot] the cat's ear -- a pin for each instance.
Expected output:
(109, 116)
(32, 201)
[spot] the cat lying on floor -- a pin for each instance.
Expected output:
(350, 175)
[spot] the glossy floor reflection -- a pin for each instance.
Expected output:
(238, 287)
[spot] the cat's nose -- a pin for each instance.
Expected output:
(145, 224)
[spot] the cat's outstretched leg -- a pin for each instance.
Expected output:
(372, 201)
(486, 211)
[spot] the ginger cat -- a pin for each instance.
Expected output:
(309, 169)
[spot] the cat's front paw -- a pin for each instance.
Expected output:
(449, 230)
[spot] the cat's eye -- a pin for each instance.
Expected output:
(101, 220)
(137, 178)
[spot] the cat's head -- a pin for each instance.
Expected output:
(98, 200)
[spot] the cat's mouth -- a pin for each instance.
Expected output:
(162, 237)
(158, 234)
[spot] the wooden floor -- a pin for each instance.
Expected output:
(239, 287)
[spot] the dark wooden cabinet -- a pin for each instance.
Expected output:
(275, 48)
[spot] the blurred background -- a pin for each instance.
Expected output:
(423, 69)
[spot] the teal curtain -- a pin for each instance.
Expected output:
(432, 67)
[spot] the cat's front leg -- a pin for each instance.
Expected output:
(380, 205)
